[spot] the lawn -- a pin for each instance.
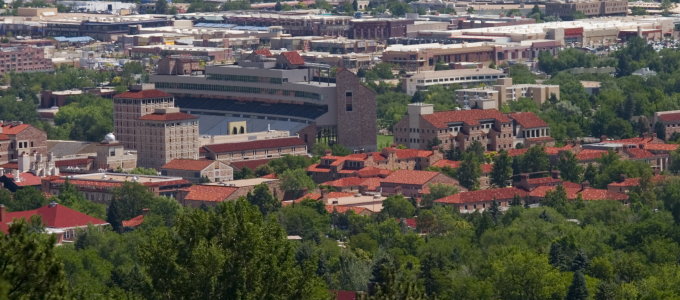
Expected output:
(384, 141)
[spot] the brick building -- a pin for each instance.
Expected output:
(456, 129)
(413, 183)
(195, 170)
(112, 156)
(379, 28)
(165, 135)
(497, 95)
(589, 8)
(17, 139)
(530, 130)
(128, 107)
(255, 150)
(24, 58)
(99, 187)
(667, 123)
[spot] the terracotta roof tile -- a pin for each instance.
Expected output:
(373, 172)
(177, 116)
(134, 222)
(27, 179)
(557, 150)
(264, 52)
(250, 164)
(293, 57)
(483, 195)
(11, 129)
(528, 120)
(662, 147)
(144, 94)
(410, 177)
(210, 193)
(670, 117)
(637, 153)
(253, 145)
(447, 163)
(56, 216)
(517, 152)
(408, 153)
(486, 168)
(469, 117)
(631, 182)
(188, 164)
(543, 180)
(343, 209)
(590, 154)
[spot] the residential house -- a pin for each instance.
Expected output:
(411, 183)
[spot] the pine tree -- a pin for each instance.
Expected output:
(469, 171)
(502, 169)
(278, 6)
(578, 289)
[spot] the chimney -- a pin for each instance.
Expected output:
(641, 146)
(3, 213)
(603, 138)
(585, 185)
(555, 174)
(145, 211)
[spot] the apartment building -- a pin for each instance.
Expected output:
(128, 107)
(167, 134)
(667, 123)
(17, 139)
(379, 28)
(208, 53)
(529, 130)
(23, 58)
(495, 96)
(463, 77)
(456, 129)
(283, 89)
(295, 24)
(589, 8)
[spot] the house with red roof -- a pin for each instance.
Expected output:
(17, 138)
(422, 127)
(530, 130)
(468, 202)
(412, 183)
(574, 192)
(57, 219)
(625, 185)
(669, 121)
(196, 170)
(208, 195)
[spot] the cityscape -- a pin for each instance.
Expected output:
(340, 149)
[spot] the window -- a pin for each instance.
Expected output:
(348, 101)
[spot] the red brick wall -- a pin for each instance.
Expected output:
(357, 129)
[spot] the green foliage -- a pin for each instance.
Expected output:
(437, 191)
(261, 197)
(131, 199)
(70, 197)
(85, 118)
(469, 171)
(520, 74)
(307, 219)
(398, 207)
(26, 198)
(30, 268)
(578, 289)
(501, 173)
(569, 168)
(211, 255)
(290, 162)
(443, 97)
(391, 108)
(143, 171)
(296, 181)
(534, 160)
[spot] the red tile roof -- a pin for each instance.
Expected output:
(486, 168)
(343, 209)
(27, 179)
(528, 120)
(637, 153)
(408, 153)
(636, 141)
(517, 152)
(539, 139)
(210, 193)
(168, 117)
(590, 154)
(264, 52)
(589, 194)
(316, 169)
(293, 57)
(250, 164)
(144, 94)
(345, 182)
(10, 129)
(630, 182)
(188, 164)
(447, 163)
(543, 180)
(373, 172)
(253, 145)
(670, 117)
(134, 222)
(56, 216)
(662, 147)
(483, 195)
(410, 177)
(557, 150)
(469, 117)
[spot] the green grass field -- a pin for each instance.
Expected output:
(384, 141)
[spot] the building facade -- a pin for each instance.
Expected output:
(198, 170)
(588, 8)
(23, 59)
(165, 135)
(128, 107)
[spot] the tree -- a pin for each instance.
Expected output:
(578, 289)
(569, 168)
(520, 74)
(144, 171)
(278, 6)
(398, 207)
(30, 268)
(469, 171)
(70, 197)
(669, 194)
(296, 182)
(502, 169)
(523, 275)
(231, 251)
(290, 162)
(437, 191)
(261, 197)
(675, 162)
(132, 198)
(355, 5)
(161, 7)
(28, 198)
(85, 118)
(556, 198)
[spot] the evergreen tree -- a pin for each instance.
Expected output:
(502, 169)
(578, 289)
(355, 5)
(580, 261)
(261, 197)
(590, 173)
(469, 171)
(161, 7)
(569, 168)
(278, 6)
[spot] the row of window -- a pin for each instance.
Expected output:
(246, 78)
(237, 89)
